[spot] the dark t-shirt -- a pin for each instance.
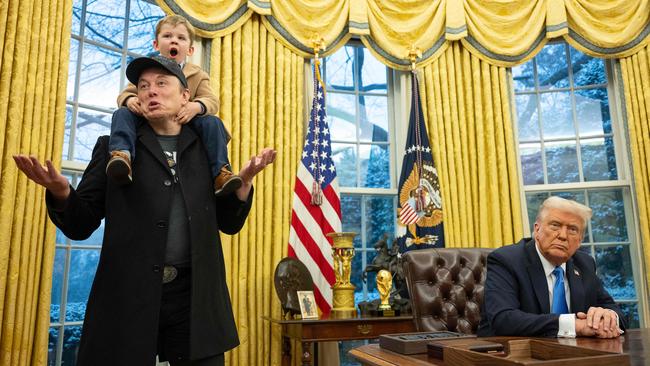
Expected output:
(178, 234)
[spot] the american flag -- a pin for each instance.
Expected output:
(316, 202)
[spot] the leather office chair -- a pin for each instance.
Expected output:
(446, 287)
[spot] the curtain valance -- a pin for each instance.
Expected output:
(502, 32)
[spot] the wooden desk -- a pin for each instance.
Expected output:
(635, 342)
(322, 330)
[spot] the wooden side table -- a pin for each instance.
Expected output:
(312, 331)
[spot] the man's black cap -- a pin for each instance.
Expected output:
(137, 66)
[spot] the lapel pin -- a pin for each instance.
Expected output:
(575, 271)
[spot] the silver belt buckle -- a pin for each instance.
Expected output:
(169, 273)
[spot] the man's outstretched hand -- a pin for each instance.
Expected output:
(46, 176)
(251, 168)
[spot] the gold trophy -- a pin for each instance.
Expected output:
(384, 285)
(343, 290)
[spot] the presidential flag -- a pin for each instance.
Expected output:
(420, 203)
(316, 202)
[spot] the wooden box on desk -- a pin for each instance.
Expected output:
(486, 351)
(414, 343)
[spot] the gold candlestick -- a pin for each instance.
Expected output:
(343, 290)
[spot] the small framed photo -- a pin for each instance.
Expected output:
(308, 307)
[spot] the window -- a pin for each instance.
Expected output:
(571, 144)
(106, 34)
(359, 113)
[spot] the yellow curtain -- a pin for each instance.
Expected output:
(34, 46)
(466, 102)
(505, 33)
(260, 84)
(636, 78)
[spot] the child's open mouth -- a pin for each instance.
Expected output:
(173, 52)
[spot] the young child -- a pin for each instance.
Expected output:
(174, 40)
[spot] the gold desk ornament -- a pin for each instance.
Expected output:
(384, 285)
(343, 290)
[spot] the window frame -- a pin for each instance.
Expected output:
(624, 181)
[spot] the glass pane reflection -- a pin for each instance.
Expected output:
(83, 265)
(614, 267)
(373, 118)
(608, 221)
(373, 74)
(338, 74)
(90, 125)
(557, 116)
(531, 163)
(562, 162)
(345, 160)
(598, 159)
(100, 76)
(142, 26)
(552, 71)
(527, 119)
(105, 21)
(375, 166)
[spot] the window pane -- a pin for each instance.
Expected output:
(375, 166)
(105, 21)
(338, 73)
(341, 111)
(380, 215)
(76, 16)
(66, 133)
(57, 284)
(631, 312)
(351, 220)
(587, 70)
(100, 77)
(90, 125)
(562, 162)
(614, 268)
(142, 26)
(373, 74)
(598, 159)
(356, 275)
(608, 221)
(592, 111)
(527, 119)
(533, 201)
(72, 68)
(531, 163)
(373, 119)
(523, 77)
(83, 265)
(557, 118)
(552, 70)
(71, 335)
(345, 160)
(53, 340)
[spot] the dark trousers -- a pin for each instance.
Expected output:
(210, 128)
(174, 324)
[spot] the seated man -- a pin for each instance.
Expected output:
(545, 286)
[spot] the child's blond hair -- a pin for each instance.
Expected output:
(175, 20)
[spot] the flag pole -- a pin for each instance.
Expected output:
(316, 189)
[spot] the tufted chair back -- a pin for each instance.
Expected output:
(446, 287)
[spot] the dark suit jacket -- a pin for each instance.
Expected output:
(121, 322)
(516, 292)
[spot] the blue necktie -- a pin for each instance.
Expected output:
(559, 296)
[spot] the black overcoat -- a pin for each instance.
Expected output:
(121, 323)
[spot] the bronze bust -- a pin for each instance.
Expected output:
(291, 275)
